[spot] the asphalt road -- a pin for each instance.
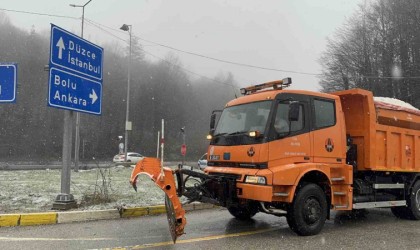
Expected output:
(216, 229)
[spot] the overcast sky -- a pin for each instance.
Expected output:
(285, 35)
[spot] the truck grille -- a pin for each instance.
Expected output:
(261, 165)
(230, 176)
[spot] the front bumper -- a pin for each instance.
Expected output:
(254, 192)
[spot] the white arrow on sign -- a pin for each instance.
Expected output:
(93, 96)
(61, 47)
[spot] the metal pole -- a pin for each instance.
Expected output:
(83, 148)
(67, 136)
(77, 143)
(77, 136)
(162, 142)
(65, 200)
(183, 143)
(128, 97)
(158, 142)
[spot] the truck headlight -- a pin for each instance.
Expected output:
(255, 179)
(254, 133)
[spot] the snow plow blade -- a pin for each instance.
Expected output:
(164, 179)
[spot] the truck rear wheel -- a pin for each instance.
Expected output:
(413, 202)
(412, 210)
(308, 212)
(400, 212)
(243, 212)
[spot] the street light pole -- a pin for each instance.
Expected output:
(128, 28)
(77, 136)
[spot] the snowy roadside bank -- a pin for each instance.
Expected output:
(35, 190)
(58, 165)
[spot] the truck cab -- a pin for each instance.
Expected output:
(278, 128)
(275, 141)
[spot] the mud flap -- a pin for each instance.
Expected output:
(164, 179)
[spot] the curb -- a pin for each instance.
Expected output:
(32, 219)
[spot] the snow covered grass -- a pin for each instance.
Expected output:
(35, 190)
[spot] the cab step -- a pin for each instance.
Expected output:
(337, 178)
(341, 206)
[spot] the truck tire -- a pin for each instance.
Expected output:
(412, 210)
(400, 212)
(413, 202)
(243, 212)
(308, 212)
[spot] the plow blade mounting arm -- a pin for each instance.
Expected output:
(164, 179)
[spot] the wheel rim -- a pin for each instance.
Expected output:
(417, 199)
(311, 211)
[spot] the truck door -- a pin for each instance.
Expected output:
(327, 131)
(289, 140)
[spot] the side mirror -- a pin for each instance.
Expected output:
(212, 121)
(294, 111)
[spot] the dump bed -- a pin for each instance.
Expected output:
(387, 136)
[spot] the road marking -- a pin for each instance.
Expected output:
(52, 239)
(215, 237)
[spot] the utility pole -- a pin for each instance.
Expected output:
(77, 136)
(128, 125)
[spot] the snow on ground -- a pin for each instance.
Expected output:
(35, 190)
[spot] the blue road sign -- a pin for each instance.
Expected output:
(73, 92)
(75, 54)
(76, 65)
(8, 80)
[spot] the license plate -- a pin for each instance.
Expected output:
(214, 157)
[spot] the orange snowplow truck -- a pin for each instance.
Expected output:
(300, 154)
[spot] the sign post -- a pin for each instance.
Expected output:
(75, 84)
(8, 82)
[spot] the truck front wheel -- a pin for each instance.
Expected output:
(308, 212)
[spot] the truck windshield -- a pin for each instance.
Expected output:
(244, 118)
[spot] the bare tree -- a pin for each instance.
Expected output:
(377, 49)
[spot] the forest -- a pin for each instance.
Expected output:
(32, 131)
(378, 48)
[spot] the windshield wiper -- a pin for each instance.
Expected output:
(238, 132)
(234, 133)
(219, 134)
